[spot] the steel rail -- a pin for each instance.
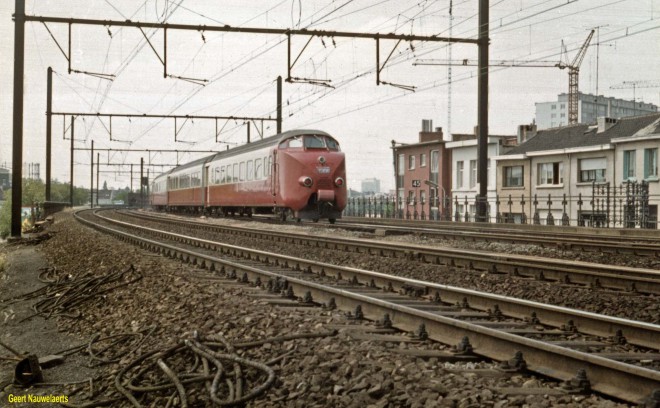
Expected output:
(574, 272)
(635, 244)
(623, 381)
(639, 333)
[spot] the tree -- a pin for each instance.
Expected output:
(34, 191)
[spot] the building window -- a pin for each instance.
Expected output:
(651, 163)
(628, 164)
(513, 176)
(459, 174)
(563, 115)
(554, 115)
(422, 197)
(553, 107)
(473, 173)
(422, 160)
(562, 106)
(592, 169)
(435, 161)
(411, 197)
(550, 174)
(411, 162)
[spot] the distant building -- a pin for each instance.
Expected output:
(590, 107)
(371, 186)
(5, 178)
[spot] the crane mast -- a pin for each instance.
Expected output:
(573, 80)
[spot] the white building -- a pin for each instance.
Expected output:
(464, 186)
(590, 107)
(578, 174)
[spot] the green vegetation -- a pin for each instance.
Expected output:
(34, 191)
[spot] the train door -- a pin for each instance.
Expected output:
(274, 174)
(206, 194)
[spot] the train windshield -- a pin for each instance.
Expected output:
(311, 142)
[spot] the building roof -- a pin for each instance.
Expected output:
(580, 135)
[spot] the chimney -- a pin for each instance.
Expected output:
(526, 132)
(427, 125)
(605, 123)
(431, 136)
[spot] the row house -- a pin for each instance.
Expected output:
(422, 174)
(583, 174)
(464, 186)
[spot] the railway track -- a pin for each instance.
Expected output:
(618, 278)
(588, 239)
(553, 341)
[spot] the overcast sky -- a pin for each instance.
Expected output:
(242, 69)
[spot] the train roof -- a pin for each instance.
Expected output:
(271, 140)
(268, 141)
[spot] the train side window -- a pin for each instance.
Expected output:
(270, 165)
(241, 171)
(229, 174)
(257, 169)
(235, 172)
(221, 180)
(266, 168)
(250, 170)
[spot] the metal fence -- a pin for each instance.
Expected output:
(628, 205)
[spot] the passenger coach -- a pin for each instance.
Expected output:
(299, 173)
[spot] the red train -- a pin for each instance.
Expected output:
(299, 173)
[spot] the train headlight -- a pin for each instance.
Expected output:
(306, 181)
(339, 182)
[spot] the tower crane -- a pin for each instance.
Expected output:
(573, 77)
(573, 71)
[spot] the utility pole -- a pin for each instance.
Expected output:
(98, 162)
(279, 104)
(17, 141)
(91, 180)
(49, 118)
(141, 182)
(72, 136)
(482, 101)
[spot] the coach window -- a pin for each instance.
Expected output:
(235, 173)
(250, 170)
(257, 169)
(270, 165)
(241, 171)
(229, 174)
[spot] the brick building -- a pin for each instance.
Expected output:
(422, 174)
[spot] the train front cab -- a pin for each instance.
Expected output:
(311, 176)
